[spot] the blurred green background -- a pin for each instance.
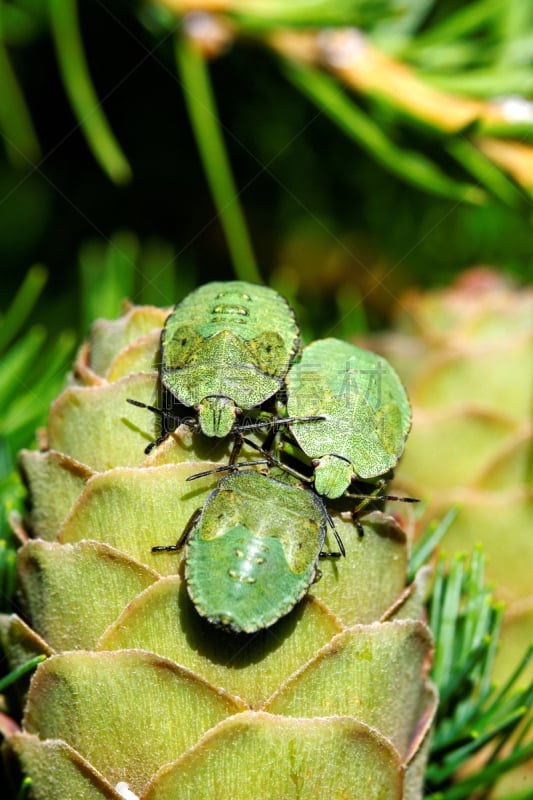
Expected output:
(344, 207)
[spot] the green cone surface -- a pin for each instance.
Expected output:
(138, 693)
(466, 356)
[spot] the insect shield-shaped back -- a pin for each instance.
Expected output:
(366, 413)
(253, 553)
(227, 346)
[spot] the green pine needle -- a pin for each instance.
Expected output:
(487, 173)
(87, 106)
(25, 788)
(429, 540)
(474, 718)
(17, 673)
(262, 15)
(410, 165)
(108, 271)
(19, 134)
(20, 308)
(8, 561)
(203, 114)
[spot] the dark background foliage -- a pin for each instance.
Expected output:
(327, 221)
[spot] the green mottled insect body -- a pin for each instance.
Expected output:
(254, 550)
(365, 408)
(227, 346)
(331, 472)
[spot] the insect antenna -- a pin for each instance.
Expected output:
(275, 461)
(233, 466)
(165, 415)
(252, 426)
(227, 468)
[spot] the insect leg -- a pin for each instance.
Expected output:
(276, 462)
(374, 495)
(367, 498)
(161, 548)
(335, 534)
(357, 522)
(236, 449)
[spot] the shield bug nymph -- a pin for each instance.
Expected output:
(365, 413)
(251, 552)
(226, 348)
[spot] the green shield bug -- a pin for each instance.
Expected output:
(252, 551)
(227, 346)
(365, 410)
